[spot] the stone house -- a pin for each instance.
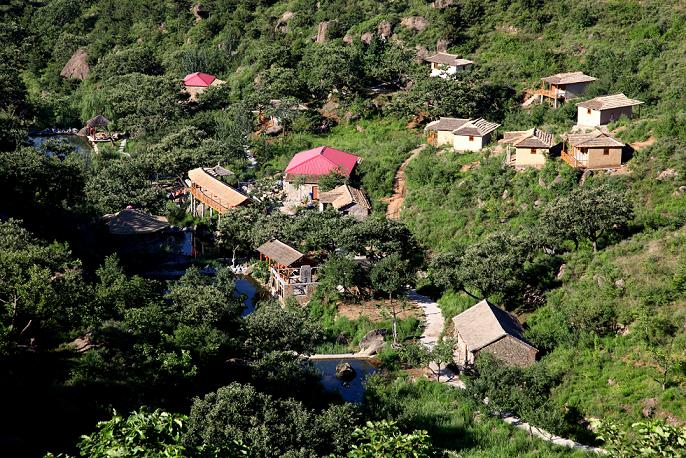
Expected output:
(531, 147)
(444, 64)
(485, 328)
(604, 110)
(592, 150)
(301, 176)
(347, 200)
(440, 132)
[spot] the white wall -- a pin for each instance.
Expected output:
(443, 71)
(462, 143)
(587, 119)
(444, 137)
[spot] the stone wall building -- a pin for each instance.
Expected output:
(485, 328)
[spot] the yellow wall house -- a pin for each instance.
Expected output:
(604, 110)
(473, 135)
(440, 132)
(443, 64)
(592, 150)
(531, 147)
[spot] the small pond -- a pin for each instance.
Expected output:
(252, 291)
(57, 144)
(352, 391)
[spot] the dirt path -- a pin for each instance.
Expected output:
(395, 203)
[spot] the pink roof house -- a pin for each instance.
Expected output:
(303, 171)
(198, 82)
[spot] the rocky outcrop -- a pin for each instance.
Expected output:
(372, 342)
(384, 29)
(282, 22)
(442, 45)
(348, 39)
(367, 37)
(440, 4)
(345, 372)
(667, 173)
(322, 31)
(77, 68)
(416, 23)
(199, 12)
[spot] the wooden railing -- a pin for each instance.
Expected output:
(571, 160)
(207, 200)
(551, 93)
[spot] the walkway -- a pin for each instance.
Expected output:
(395, 203)
(431, 335)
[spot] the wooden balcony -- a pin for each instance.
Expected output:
(207, 200)
(288, 282)
(571, 160)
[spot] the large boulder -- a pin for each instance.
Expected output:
(416, 23)
(345, 372)
(367, 37)
(322, 31)
(199, 12)
(282, 22)
(384, 29)
(440, 4)
(442, 45)
(373, 342)
(77, 68)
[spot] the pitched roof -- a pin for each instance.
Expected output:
(484, 323)
(216, 190)
(321, 161)
(343, 196)
(593, 139)
(448, 124)
(476, 127)
(98, 121)
(608, 102)
(568, 78)
(448, 59)
(132, 221)
(279, 252)
(532, 138)
(198, 79)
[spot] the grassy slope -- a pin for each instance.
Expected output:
(448, 207)
(455, 424)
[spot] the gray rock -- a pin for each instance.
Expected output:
(384, 29)
(416, 23)
(322, 31)
(440, 4)
(442, 45)
(373, 342)
(345, 372)
(348, 39)
(282, 23)
(367, 37)
(650, 407)
(667, 173)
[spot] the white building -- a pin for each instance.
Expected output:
(443, 64)
(604, 110)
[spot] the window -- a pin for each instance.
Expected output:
(584, 150)
(471, 138)
(588, 111)
(606, 151)
(533, 150)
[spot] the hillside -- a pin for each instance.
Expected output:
(592, 262)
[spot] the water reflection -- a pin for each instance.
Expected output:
(352, 391)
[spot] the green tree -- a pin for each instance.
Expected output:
(391, 275)
(274, 328)
(384, 439)
(588, 214)
(148, 434)
(236, 231)
(646, 439)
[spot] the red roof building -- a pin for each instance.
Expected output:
(321, 161)
(198, 79)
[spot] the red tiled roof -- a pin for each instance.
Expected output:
(198, 79)
(322, 161)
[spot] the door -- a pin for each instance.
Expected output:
(315, 192)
